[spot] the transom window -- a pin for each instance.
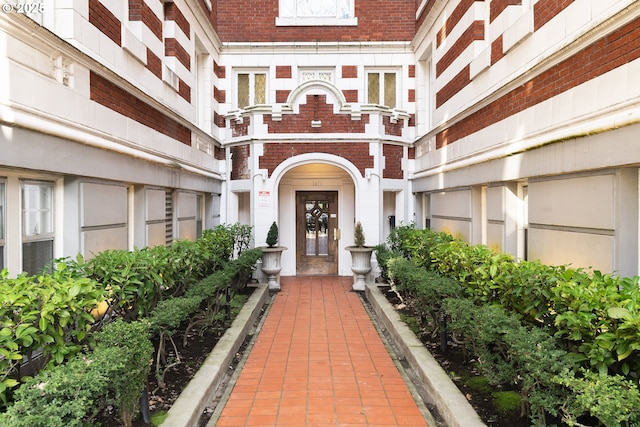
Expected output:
(316, 12)
(252, 89)
(381, 88)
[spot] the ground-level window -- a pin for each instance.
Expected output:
(3, 205)
(252, 89)
(381, 88)
(37, 225)
(199, 214)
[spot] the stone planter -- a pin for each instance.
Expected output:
(360, 265)
(271, 265)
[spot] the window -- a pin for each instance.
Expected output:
(3, 203)
(252, 89)
(199, 214)
(381, 88)
(37, 225)
(316, 12)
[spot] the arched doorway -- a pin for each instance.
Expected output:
(315, 202)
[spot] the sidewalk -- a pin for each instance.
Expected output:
(319, 361)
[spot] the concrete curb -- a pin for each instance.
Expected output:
(451, 404)
(187, 409)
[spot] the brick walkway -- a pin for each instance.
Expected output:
(319, 361)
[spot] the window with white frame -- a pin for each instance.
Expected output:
(382, 88)
(316, 12)
(3, 205)
(37, 225)
(252, 88)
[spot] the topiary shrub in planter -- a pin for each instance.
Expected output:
(271, 255)
(360, 258)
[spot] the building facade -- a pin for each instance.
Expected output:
(514, 124)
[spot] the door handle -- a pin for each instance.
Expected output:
(336, 234)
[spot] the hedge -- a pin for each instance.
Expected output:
(570, 338)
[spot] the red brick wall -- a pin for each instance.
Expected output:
(461, 79)
(219, 70)
(316, 108)
(213, 14)
(349, 72)
(350, 95)
(218, 119)
(240, 129)
(111, 96)
(140, 11)
(411, 73)
(173, 48)
(283, 71)
(105, 21)
(219, 153)
(453, 20)
(394, 129)
(254, 20)
(496, 7)
(544, 10)
(172, 13)
(356, 152)
(240, 162)
(282, 95)
(219, 95)
(471, 34)
(392, 161)
(497, 50)
(425, 12)
(154, 63)
(608, 53)
(184, 90)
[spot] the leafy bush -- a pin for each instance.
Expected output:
(612, 399)
(72, 394)
(200, 306)
(49, 314)
(425, 290)
(529, 321)
(130, 370)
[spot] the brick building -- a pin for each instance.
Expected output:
(510, 123)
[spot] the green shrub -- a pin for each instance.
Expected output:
(529, 321)
(612, 399)
(66, 395)
(48, 314)
(130, 370)
(272, 235)
(72, 394)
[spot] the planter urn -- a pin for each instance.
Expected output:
(360, 265)
(271, 265)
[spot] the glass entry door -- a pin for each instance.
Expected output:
(316, 223)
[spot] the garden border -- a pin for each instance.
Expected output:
(187, 409)
(451, 404)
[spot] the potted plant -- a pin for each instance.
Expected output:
(360, 258)
(271, 255)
